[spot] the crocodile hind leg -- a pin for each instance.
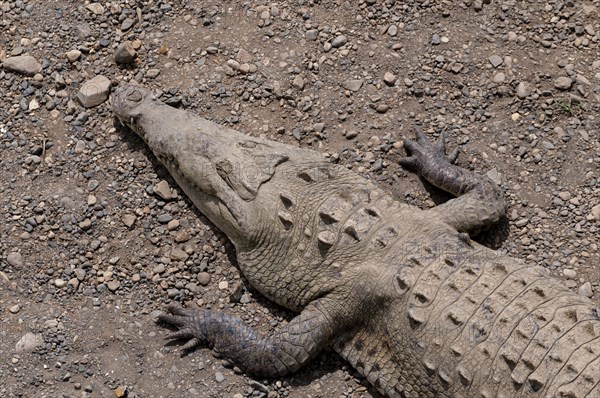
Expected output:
(479, 202)
(286, 350)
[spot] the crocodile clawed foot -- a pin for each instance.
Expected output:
(186, 322)
(424, 155)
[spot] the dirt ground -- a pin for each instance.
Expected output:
(93, 245)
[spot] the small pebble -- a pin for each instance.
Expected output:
(596, 212)
(60, 283)
(125, 53)
(524, 89)
(152, 73)
(73, 55)
(85, 224)
(351, 134)
(382, 108)
(586, 290)
(339, 41)
(499, 78)
(312, 34)
(353, 84)
(563, 83)
(389, 78)
(203, 278)
(298, 83)
(113, 286)
(29, 342)
(128, 220)
(163, 190)
(223, 285)
(569, 273)
(15, 259)
(496, 60)
(164, 218)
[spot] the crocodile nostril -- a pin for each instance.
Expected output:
(134, 96)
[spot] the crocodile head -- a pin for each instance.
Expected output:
(219, 169)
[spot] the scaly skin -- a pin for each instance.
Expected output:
(403, 294)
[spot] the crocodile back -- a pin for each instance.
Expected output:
(475, 323)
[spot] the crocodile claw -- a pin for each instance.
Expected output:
(186, 322)
(424, 155)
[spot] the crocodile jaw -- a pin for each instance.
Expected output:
(188, 149)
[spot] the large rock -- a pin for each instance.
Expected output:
(23, 64)
(94, 92)
(29, 342)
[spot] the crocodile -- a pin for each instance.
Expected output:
(403, 294)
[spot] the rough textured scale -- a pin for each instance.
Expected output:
(403, 294)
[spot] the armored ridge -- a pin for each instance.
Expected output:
(403, 294)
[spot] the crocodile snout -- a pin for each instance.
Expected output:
(125, 99)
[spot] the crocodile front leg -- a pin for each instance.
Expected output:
(479, 203)
(283, 352)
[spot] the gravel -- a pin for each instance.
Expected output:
(97, 237)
